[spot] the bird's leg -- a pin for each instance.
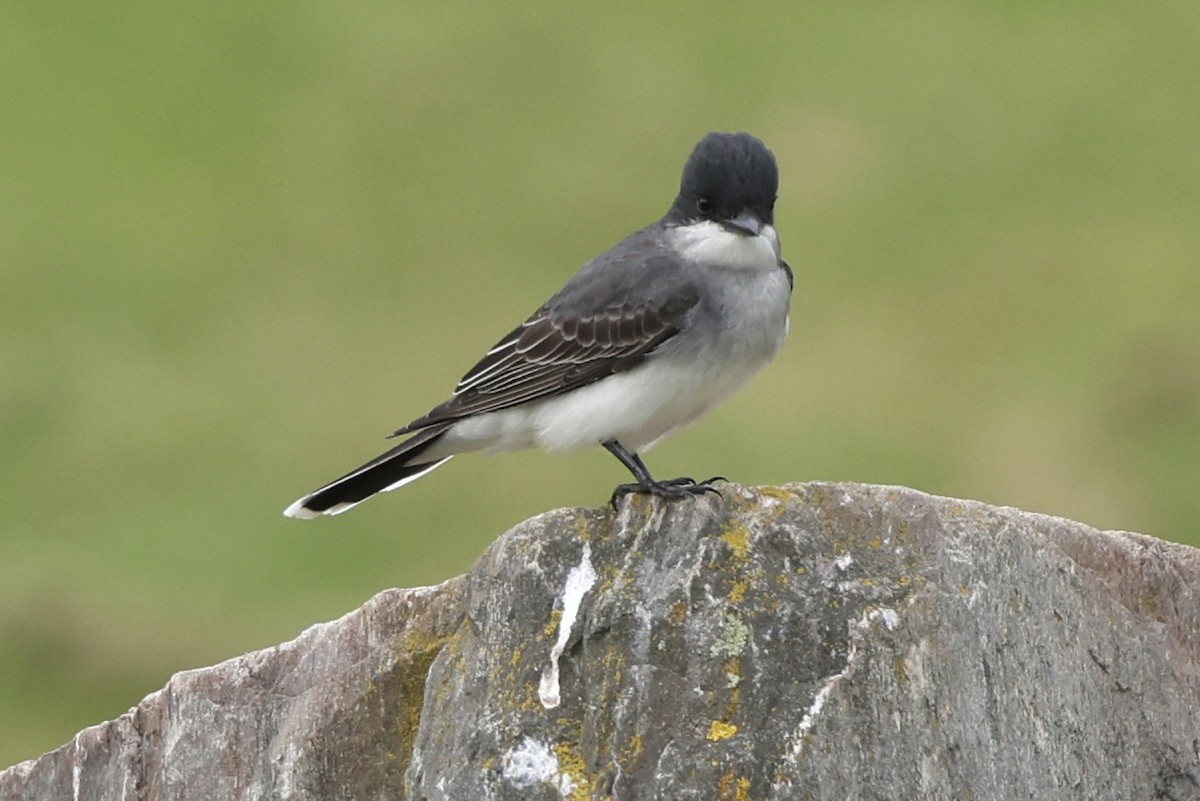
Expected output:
(671, 488)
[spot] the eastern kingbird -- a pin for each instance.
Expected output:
(641, 342)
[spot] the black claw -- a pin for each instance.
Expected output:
(671, 489)
(621, 491)
(682, 481)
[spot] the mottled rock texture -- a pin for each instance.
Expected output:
(815, 641)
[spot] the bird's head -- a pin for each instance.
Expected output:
(730, 179)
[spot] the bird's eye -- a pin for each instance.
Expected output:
(704, 206)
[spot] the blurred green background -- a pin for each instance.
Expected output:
(240, 242)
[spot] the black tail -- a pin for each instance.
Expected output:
(389, 470)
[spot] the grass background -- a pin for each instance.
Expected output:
(239, 242)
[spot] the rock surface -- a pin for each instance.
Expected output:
(815, 641)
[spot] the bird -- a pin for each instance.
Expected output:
(642, 341)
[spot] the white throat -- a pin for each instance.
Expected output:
(712, 245)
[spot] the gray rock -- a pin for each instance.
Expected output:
(332, 714)
(816, 641)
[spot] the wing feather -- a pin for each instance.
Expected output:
(608, 318)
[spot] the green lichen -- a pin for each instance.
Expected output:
(734, 635)
(1147, 602)
(900, 669)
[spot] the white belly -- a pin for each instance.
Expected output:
(636, 408)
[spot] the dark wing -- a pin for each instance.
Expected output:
(609, 316)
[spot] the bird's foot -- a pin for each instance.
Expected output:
(671, 489)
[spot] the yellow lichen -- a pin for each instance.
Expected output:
(582, 528)
(738, 590)
(733, 682)
(737, 537)
(551, 627)
(778, 493)
(632, 751)
(731, 788)
(720, 730)
(571, 765)
(421, 646)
